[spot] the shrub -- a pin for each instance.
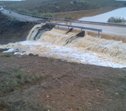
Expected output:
(16, 79)
(116, 20)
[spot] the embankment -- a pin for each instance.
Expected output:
(12, 30)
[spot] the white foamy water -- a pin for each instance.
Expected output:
(120, 12)
(67, 46)
(60, 52)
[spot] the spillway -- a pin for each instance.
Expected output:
(71, 45)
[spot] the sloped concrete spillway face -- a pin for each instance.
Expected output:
(61, 36)
(71, 45)
(38, 30)
(110, 49)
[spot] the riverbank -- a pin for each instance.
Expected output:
(31, 83)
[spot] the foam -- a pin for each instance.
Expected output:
(64, 53)
(59, 44)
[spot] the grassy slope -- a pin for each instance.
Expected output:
(82, 13)
(31, 83)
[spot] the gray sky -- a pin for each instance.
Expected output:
(10, 0)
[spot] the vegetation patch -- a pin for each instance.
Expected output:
(22, 105)
(5, 55)
(47, 8)
(16, 79)
(116, 20)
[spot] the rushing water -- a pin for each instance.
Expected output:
(67, 45)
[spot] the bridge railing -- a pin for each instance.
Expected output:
(78, 27)
(82, 22)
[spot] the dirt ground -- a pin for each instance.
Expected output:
(31, 83)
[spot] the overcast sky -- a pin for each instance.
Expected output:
(10, 0)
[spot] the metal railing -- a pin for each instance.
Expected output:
(77, 27)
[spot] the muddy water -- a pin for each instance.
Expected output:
(57, 37)
(114, 49)
(66, 45)
(33, 32)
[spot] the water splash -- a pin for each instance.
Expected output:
(73, 46)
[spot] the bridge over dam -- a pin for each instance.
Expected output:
(107, 28)
(72, 26)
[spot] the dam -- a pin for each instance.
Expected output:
(72, 45)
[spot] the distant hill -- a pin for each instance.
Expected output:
(47, 7)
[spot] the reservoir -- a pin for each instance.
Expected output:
(117, 13)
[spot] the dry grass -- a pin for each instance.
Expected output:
(82, 13)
